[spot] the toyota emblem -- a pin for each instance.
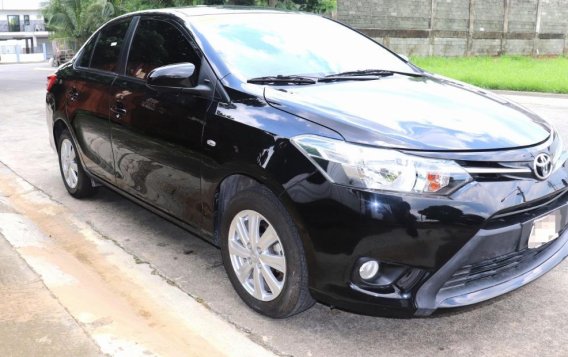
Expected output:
(542, 166)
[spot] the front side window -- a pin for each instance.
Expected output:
(109, 44)
(155, 44)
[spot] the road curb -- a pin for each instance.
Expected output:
(531, 94)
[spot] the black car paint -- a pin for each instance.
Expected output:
(91, 121)
(163, 161)
(444, 116)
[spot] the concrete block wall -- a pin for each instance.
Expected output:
(489, 16)
(449, 46)
(462, 27)
(519, 47)
(522, 16)
(554, 17)
(448, 15)
(486, 47)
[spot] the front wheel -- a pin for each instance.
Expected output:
(263, 254)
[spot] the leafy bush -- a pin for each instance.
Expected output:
(78, 19)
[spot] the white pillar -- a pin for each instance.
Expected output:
(537, 27)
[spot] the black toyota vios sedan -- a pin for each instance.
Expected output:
(324, 166)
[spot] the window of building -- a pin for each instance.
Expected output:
(14, 23)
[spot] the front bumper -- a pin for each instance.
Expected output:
(446, 241)
(468, 279)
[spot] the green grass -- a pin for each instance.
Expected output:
(544, 74)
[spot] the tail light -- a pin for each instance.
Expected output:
(51, 80)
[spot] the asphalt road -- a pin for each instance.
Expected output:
(528, 322)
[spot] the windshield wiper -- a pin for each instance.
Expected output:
(361, 75)
(279, 79)
(364, 74)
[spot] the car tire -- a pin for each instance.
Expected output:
(285, 252)
(76, 181)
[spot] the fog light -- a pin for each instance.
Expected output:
(369, 269)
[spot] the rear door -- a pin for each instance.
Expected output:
(156, 133)
(88, 98)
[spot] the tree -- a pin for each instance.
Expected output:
(78, 19)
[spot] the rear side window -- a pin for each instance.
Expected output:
(155, 44)
(85, 59)
(107, 50)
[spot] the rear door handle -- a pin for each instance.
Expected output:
(118, 110)
(73, 94)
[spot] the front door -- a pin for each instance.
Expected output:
(156, 133)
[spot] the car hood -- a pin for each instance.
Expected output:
(415, 113)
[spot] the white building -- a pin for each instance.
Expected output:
(22, 27)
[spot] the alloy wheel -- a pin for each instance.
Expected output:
(69, 165)
(257, 255)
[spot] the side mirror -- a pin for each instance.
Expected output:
(173, 75)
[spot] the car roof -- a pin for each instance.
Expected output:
(202, 10)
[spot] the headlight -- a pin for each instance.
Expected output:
(380, 169)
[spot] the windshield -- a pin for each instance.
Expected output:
(257, 45)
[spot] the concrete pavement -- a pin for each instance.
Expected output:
(124, 306)
(32, 321)
(531, 321)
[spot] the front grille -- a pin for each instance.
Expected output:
(490, 268)
(527, 211)
(483, 171)
(532, 205)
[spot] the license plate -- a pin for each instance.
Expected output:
(544, 230)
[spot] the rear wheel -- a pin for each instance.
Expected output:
(263, 254)
(76, 181)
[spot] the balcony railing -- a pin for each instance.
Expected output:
(32, 27)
